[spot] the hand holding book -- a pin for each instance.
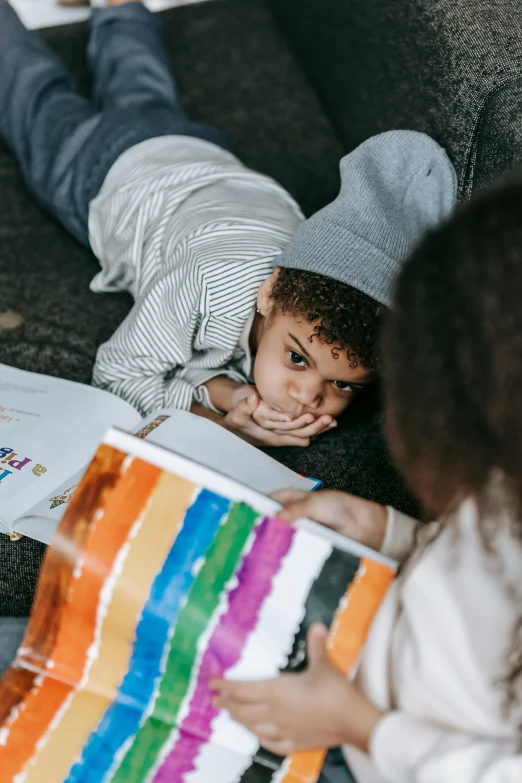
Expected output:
(191, 568)
(316, 708)
(350, 516)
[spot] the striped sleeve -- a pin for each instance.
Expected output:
(190, 233)
(153, 342)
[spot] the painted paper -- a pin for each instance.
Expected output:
(155, 584)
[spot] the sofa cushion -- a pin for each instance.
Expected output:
(437, 66)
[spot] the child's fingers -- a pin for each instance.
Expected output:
(242, 392)
(287, 496)
(278, 747)
(317, 427)
(267, 732)
(294, 510)
(246, 407)
(247, 714)
(257, 720)
(316, 649)
(283, 426)
(265, 412)
(244, 692)
(280, 439)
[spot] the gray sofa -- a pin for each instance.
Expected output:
(296, 84)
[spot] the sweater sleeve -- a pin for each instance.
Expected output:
(183, 329)
(406, 749)
(143, 359)
(399, 536)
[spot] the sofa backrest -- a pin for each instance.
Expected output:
(450, 68)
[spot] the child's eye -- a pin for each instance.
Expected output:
(296, 358)
(342, 385)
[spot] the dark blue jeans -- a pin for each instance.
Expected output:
(12, 631)
(65, 144)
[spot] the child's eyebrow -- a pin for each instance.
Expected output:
(302, 350)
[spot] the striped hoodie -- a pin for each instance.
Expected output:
(190, 233)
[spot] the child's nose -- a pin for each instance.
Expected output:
(308, 395)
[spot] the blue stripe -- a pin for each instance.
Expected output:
(171, 586)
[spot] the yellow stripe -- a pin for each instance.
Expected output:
(147, 551)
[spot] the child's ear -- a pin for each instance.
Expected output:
(264, 304)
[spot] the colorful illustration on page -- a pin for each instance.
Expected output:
(154, 586)
(65, 497)
(148, 428)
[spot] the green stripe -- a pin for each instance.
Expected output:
(221, 561)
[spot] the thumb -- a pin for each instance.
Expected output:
(316, 649)
(293, 511)
(287, 496)
(248, 404)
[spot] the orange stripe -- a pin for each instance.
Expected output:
(351, 625)
(124, 507)
(147, 549)
(56, 577)
(346, 640)
(22, 739)
(304, 767)
(76, 632)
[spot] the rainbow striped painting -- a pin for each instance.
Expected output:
(162, 576)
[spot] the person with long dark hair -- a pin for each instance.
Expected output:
(438, 695)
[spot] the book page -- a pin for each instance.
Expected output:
(49, 430)
(40, 521)
(189, 436)
(217, 481)
(161, 578)
(204, 441)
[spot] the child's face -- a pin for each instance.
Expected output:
(296, 376)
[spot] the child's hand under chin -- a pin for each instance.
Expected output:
(253, 420)
(318, 708)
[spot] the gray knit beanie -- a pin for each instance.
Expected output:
(394, 187)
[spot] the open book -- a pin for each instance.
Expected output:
(163, 575)
(49, 431)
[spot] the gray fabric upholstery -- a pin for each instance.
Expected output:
(449, 68)
(498, 142)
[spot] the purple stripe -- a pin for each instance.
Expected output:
(258, 568)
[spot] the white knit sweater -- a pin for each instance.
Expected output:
(433, 656)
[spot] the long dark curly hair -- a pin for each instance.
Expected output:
(452, 356)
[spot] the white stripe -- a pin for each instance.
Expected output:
(202, 645)
(264, 654)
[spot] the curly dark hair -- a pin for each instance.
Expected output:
(343, 316)
(452, 363)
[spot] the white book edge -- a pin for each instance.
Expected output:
(217, 482)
